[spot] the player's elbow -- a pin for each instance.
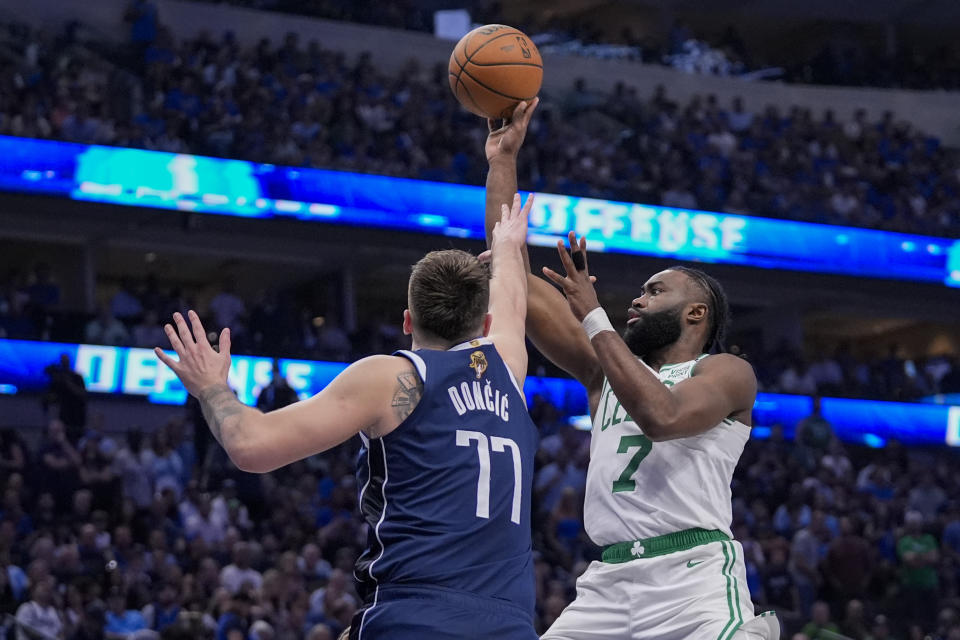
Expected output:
(662, 429)
(656, 433)
(248, 459)
(247, 452)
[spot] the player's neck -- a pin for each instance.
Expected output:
(683, 350)
(434, 344)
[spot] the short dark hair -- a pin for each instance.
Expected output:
(449, 293)
(719, 314)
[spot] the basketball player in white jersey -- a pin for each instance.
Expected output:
(669, 426)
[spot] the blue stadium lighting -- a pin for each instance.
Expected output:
(181, 182)
(874, 441)
(761, 433)
(137, 372)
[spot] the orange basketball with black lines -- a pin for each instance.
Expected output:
(493, 68)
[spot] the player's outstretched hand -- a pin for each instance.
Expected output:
(505, 141)
(511, 229)
(577, 285)
(200, 366)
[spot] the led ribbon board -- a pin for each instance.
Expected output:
(137, 372)
(136, 177)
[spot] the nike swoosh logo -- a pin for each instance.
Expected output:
(691, 564)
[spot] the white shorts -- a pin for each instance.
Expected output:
(697, 594)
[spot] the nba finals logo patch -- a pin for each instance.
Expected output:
(478, 362)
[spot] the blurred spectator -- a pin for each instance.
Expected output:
(228, 507)
(164, 465)
(918, 574)
(820, 627)
(238, 575)
(552, 479)
(847, 566)
(950, 382)
(12, 454)
(125, 304)
(792, 515)
(277, 394)
(40, 614)
(121, 621)
(311, 565)
(132, 467)
(96, 472)
(927, 498)
(779, 588)
(854, 623)
(163, 612)
(59, 464)
(880, 629)
(106, 329)
(828, 375)
(92, 622)
(205, 523)
(142, 16)
(9, 600)
(261, 630)
(42, 292)
(320, 632)
(333, 343)
(69, 393)
(806, 553)
(334, 604)
(148, 333)
(951, 539)
(797, 378)
(814, 434)
(227, 307)
(837, 461)
(234, 622)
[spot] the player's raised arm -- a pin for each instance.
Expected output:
(370, 395)
(721, 385)
(508, 286)
(550, 325)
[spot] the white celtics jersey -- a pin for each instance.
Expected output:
(639, 489)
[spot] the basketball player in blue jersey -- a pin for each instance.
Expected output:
(669, 425)
(446, 469)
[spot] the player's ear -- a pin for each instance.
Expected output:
(697, 312)
(407, 323)
(487, 323)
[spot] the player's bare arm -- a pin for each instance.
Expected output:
(372, 395)
(721, 386)
(508, 286)
(549, 324)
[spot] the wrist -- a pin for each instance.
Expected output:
(596, 322)
(210, 388)
(503, 159)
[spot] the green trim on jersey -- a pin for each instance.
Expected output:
(680, 364)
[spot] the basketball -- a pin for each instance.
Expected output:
(493, 68)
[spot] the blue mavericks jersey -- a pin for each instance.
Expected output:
(447, 493)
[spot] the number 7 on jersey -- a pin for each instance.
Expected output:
(499, 445)
(643, 444)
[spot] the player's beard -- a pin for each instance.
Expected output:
(653, 331)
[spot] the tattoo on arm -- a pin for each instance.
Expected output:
(406, 395)
(219, 405)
